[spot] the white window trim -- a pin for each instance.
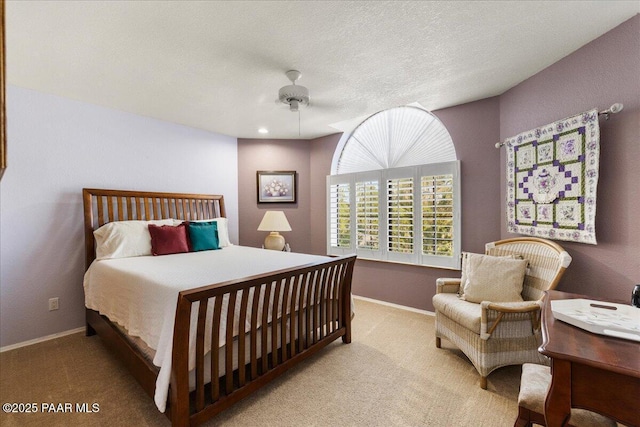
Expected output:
(415, 172)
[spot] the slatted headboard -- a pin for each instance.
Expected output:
(103, 206)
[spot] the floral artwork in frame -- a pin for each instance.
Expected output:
(276, 186)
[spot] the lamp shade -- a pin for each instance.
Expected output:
(274, 221)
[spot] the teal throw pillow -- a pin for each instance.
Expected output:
(204, 236)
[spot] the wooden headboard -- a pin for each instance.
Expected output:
(103, 206)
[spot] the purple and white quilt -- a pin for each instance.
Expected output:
(552, 177)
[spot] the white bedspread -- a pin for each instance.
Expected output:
(140, 293)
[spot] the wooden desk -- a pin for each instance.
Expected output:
(589, 371)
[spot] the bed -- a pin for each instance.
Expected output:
(220, 324)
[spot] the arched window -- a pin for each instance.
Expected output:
(394, 192)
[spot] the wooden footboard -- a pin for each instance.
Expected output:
(306, 309)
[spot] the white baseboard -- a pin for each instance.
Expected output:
(390, 304)
(41, 339)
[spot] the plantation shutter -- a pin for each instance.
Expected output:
(440, 214)
(400, 225)
(437, 215)
(339, 218)
(367, 214)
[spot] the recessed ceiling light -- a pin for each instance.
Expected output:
(263, 130)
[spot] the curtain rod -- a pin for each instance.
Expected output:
(614, 109)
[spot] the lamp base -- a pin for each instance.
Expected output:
(274, 241)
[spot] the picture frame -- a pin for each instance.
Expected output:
(276, 186)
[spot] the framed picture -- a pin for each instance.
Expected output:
(276, 186)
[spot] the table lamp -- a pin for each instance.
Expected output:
(274, 221)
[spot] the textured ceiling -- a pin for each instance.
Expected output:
(218, 65)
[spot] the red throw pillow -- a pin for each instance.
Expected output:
(167, 239)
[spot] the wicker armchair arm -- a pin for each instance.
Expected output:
(506, 310)
(449, 285)
(512, 307)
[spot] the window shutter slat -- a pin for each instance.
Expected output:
(367, 215)
(437, 215)
(340, 216)
(400, 215)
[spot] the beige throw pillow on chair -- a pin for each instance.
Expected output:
(496, 279)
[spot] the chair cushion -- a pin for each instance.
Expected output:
(495, 279)
(534, 385)
(460, 311)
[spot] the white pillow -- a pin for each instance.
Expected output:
(223, 229)
(121, 239)
(496, 279)
(463, 273)
(465, 268)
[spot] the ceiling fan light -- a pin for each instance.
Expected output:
(294, 93)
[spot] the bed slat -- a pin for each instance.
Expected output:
(120, 210)
(253, 350)
(110, 206)
(147, 209)
(138, 214)
(215, 339)
(309, 309)
(317, 304)
(283, 319)
(304, 284)
(130, 213)
(100, 211)
(265, 318)
(330, 319)
(323, 304)
(228, 373)
(241, 333)
(293, 319)
(202, 317)
(274, 323)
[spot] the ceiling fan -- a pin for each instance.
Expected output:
(293, 95)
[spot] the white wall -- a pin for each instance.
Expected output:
(55, 148)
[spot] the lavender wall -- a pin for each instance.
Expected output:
(265, 154)
(58, 146)
(597, 75)
(322, 150)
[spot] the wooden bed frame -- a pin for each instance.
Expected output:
(315, 301)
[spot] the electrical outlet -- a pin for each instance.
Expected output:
(53, 304)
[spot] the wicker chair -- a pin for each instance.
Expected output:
(493, 335)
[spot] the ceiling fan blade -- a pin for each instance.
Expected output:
(321, 105)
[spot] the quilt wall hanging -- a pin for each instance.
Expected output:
(552, 177)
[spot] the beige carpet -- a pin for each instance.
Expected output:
(390, 375)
